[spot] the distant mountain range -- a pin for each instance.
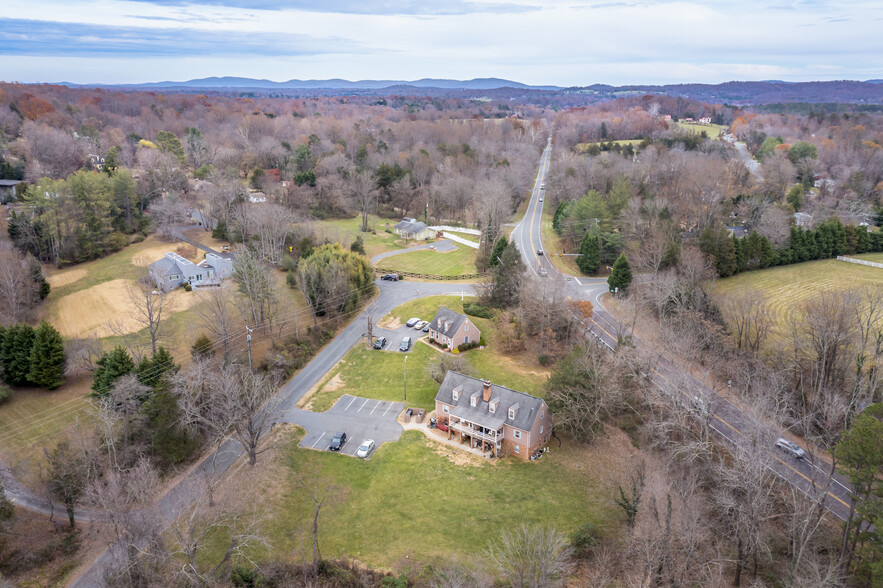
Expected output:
(332, 84)
(736, 93)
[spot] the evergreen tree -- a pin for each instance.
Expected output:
(111, 366)
(47, 358)
(589, 260)
(203, 348)
(508, 278)
(621, 275)
(151, 372)
(726, 260)
(795, 197)
(168, 440)
(16, 353)
(497, 251)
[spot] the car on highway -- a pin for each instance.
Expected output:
(419, 326)
(337, 442)
(542, 186)
(391, 277)
(541, 198)
(405, 345)
(365, 448)
(380, 343)
(539, 252)
(789, 447)
(411, 322)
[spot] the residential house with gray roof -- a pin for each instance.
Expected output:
(173, 270)
(452, 328)
(492, 418)
(411, 228)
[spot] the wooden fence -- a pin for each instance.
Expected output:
(380, 270)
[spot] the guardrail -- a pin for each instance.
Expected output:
(381, 270)
(860, 261)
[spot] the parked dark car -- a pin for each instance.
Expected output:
(380, 343)
(406, 344)
(337, 442)
(391, 277)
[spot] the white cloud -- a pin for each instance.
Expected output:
(564, 43)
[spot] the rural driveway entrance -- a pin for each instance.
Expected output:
(359, 418)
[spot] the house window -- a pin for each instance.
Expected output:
(445, 408)
(542, 413)
(511, 413)
(174, 277)
(466, 340)
(492, 407)
(467, 327)
(517, 434)
(472, 401)
(456, 394)
(517, 448)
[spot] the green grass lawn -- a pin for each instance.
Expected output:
(429, 261)
(787, 287)
(875, 257)
(33, 418)
(409, 499)
(582, 147)
(380, 374)
(713, 131)
(346, 231)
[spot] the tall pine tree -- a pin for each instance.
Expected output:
(47, 358)
(497, 251)
(589, 259)
(15, 353)
(621, 275)
(111, 366)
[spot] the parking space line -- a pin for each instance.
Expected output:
(348, 405)
(363, 405)
(375, 407)
(387, 408)
(317, 440)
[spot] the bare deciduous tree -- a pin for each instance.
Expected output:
(750, 318)
(18, 291)
(216, 313)
(149, 302)
(531, 556)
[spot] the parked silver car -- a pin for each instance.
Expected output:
(365, 448)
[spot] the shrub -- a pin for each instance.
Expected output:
(188, 287)
(5, 393)
(585, 538)
(456, 350)
(545, 360)
(475, 309)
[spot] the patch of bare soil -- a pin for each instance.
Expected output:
(66, 277)
(148, 255)
(389, 322)
(337, 382)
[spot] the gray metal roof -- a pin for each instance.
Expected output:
(9, 182)
(529, 407)
(456, 319)
(410, 226)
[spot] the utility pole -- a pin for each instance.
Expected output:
(248, 338)
(406, 378)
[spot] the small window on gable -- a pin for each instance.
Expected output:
(517, 434)
(445, 408)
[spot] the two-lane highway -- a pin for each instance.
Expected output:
(727, 419)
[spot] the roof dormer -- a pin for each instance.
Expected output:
(492, 405)
(456, 392)
(473, 400)
(513, 410)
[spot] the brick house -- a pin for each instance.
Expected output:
(452, 328)
(493, 418)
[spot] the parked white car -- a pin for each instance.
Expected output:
(365, 448)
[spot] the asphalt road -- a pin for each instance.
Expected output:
(725, 418)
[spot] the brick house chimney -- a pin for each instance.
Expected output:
(486, 391)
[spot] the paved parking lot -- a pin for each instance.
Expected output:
(395, 336)
(359, 418)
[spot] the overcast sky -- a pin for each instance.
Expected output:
(565, 43)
